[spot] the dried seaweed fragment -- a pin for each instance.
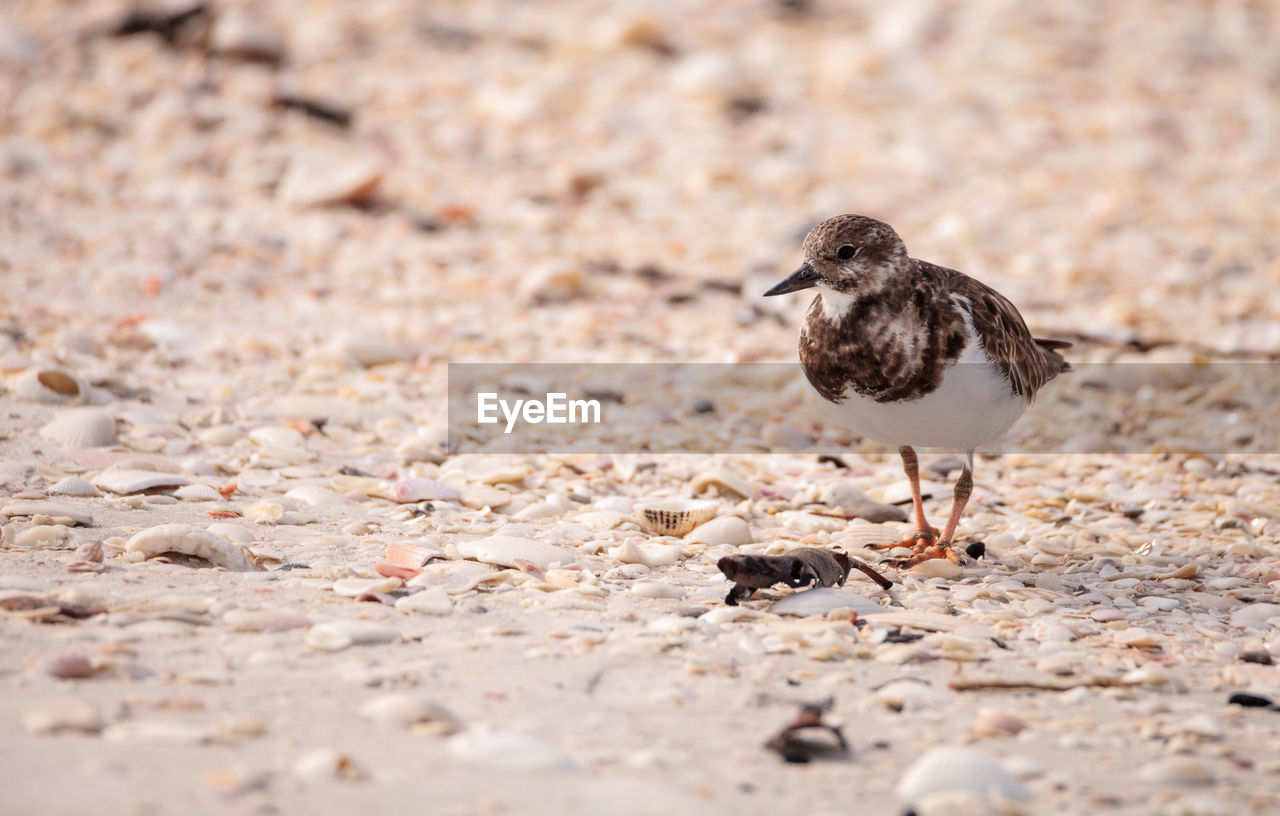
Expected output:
(806, 566)
(807, 737)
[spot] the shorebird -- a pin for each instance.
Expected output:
(912, 354)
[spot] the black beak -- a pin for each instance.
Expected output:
(802, 278)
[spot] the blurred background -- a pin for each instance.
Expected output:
(589, 180)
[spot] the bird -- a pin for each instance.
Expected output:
(914, 355)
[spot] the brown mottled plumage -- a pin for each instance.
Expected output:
(915, 353)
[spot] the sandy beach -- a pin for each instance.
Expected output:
(243, 572)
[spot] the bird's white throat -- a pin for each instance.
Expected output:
(835, 305)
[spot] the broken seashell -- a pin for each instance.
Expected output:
(729, 484)
(73, 486)
(184, 538)
(43, 537)
(729, 530)
(388, 570)
(411, 711)
(675, 517)
(355, 587)
(81, 428)
(125, 481)
(317, 496)
(506, 551)
(632, 552)
(821, 600)
(52, 385)
(44, 508)
(509, 750)
(337, 635)
(957, 768)
(937, 568)
(408, 554)
(433, 601)
(406, 491)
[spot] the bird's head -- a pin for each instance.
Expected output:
(849, 254)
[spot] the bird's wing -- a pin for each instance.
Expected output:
(1027, 362)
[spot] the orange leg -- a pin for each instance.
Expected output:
(960, 498)
(924, 535)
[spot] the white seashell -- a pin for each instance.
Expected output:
(509, 751)
(317, 496)
(729, 484)
(46, 508)
(478, 496)
(78, 428)
(601, 519)
(326, 763)
(1187, 772)
(264, 620)
(541, 510)
(620, 504)
(433, 601)
(675, 517)
(369, 349)
(63, 714)
(937, 568)
(264, 512)
(222, 436)
(277, 436)
(821, 600)
(410, 711)
(355, 587)
(125, 481)
(656, 589)
(44, 537)
(73, 486)
(159, 731)
(957, 768)
(51, 385)
(807, 523)
(337, 635)
(197, 492)
(419, 489)
(652, 555)
(507, 550)
(319, 179)
(1254, 615)
(232, 532)
(194, 541)
(729, 530)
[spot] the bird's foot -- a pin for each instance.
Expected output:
(926, 552)
(917, 540)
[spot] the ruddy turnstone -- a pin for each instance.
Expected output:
(912, 354)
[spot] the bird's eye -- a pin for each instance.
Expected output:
(847, 251)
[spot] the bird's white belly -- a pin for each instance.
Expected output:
(973, 406)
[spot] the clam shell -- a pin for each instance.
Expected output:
(730, 485)
(197, 492)
(41, 384)
(355, 587)
(317, 496)
(675, 517)
(73, 486)
(506, 551)
(509, 750)
(419, 489)
(729, 530)
(15, 472)
(81, 428)
(194, 541)
(957, 768)
(125, 481)
(937, 568)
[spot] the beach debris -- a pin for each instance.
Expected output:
(804, 566)
(809, 737)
